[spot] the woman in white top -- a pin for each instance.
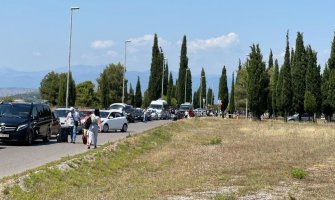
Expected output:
(93, 129)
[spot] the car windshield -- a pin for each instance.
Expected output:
(116, 107)
(185, 107)
(155, 106)
(15, 110)
(104, 114)
(62, 113)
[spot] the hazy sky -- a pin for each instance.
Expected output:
(35, 33)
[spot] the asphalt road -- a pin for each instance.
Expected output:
(16, 159)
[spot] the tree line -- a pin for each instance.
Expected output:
(296, 87)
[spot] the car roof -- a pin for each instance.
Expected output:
(111, 110)
(63, 109)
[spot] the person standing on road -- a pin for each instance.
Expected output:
(73, 120)
(93, 129)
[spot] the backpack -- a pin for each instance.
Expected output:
(94, 120)
(87, 122)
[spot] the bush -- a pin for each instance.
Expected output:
(215, 141)
(298, 173)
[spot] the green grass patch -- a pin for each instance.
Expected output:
(298, 173)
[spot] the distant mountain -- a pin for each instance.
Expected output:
(16, 82)
(15, 91)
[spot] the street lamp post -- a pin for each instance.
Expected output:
(68, 73)
(164, 59)
(124, 67)
(187, 69)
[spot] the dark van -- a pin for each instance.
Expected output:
(25, 122)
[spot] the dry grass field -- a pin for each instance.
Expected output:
(200, 158)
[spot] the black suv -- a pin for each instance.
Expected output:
(25, 122)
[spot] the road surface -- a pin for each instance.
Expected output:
(16, 158)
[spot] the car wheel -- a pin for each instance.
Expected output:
(29, 138)
(105, 128)
(124, 128)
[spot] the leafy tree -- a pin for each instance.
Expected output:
(155, 79)
(62, 90)
(257, 82)
(223, 90)
(273, 84)
(110, 84)
(138, 94)
(85, 96)
(298, 71)
(286, 85)
(49, 87)
(104, 90)
(182, 73)
(231, 106)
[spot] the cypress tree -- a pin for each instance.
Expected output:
(269, 90)
(170, 90)
(182, 72)
(203, 88)
(189, 86)
(298, 71)
(286, 88)
(257, 82)
(274, 81)
(131, 96)
(104, 90)
(210, 96)
(196, 99)
(166, 79)
(155, 84)
(223, 90)
(326, 104)
(270, 63)
(231, 106)
(138, 94)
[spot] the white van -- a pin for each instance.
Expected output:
(158, 105)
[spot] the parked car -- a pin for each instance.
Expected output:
(113, 120)
(186, 109)
(55, 125)
(129, 112)
(304, 117)
(25, 122)
(62, 114)
(138, 115)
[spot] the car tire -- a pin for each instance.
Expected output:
(105, 128)
(124, 128)
(29, 138)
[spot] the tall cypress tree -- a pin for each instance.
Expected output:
(270, 71)
(182, 72)
(274, 81)
(312, 99)
(286, 90)
(257, 82)
(189, 86)
(203, 88)
(196, 99)
(138, 94)
(166, 79)
(170, 90)
(270, 63)
(131, 95)
(155, 84)
(298, 71)
(231, 107)
(223, 90)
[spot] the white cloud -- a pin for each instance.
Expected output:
(222, 42)
(101, 44)
(147, 39)
(36, 53)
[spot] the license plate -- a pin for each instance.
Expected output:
(4, 135)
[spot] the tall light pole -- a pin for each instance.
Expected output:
(164, 59)
(124, 67)
(187, 69)
(68, 73)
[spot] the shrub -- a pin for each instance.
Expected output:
(298, 173)
(215, 141)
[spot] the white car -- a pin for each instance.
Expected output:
(62, 114)
(113, 120)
